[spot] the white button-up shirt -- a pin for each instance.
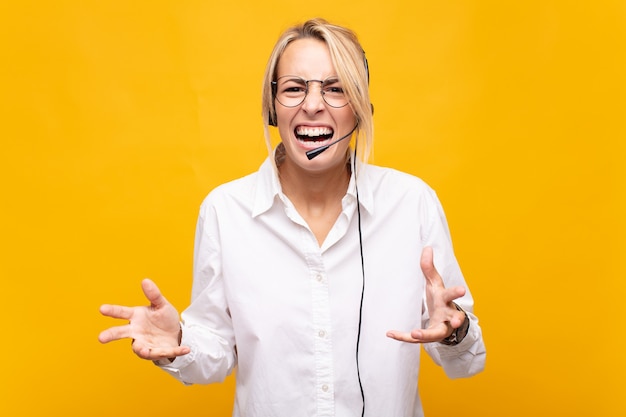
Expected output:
(271, 302)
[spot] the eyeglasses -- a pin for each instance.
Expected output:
(291, 90)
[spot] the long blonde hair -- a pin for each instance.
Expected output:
(349, 60)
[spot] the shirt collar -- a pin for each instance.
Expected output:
(267, 188)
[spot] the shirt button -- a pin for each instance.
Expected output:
(319, 278)
(325, 388)
(321, 333)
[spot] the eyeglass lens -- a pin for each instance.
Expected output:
(292, 90)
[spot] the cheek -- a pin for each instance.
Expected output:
(283, 127)
(283, 116)
(346, 114)
(348, 118)
(284, 134)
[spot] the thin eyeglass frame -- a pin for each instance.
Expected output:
(306, 91)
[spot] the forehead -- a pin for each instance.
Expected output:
(307, 58)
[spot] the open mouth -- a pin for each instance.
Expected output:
(313, 134)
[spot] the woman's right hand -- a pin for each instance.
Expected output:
(155, 329)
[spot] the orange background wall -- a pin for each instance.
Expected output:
(117, 117)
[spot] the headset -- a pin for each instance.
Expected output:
(358, 335)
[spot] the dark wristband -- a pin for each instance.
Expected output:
(459, 333)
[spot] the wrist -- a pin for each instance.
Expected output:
(459, 333)
(167, 361)
(164, 361)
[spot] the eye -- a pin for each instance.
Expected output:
(332, 86)
(294, 89)
(334, 90)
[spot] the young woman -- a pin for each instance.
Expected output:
(319, 276)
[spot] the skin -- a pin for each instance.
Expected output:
(154, 329)
(444, 317)
(316, 188)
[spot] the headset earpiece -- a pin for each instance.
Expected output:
(272, 120)
(367, 72)
(367, 68)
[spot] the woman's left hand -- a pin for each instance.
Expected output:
(444, 316)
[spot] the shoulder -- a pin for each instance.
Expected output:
(244, 195)
(235, 190)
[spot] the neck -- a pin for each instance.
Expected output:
(314, 189)
(316, 196)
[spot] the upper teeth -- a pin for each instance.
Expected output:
(313, 131)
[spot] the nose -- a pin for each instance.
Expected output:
(313, 102)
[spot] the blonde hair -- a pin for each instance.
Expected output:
(349, 60)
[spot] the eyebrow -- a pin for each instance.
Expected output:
(288, 78)
(296, 78)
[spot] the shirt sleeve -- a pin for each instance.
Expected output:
(206, 324)
(468, 357)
